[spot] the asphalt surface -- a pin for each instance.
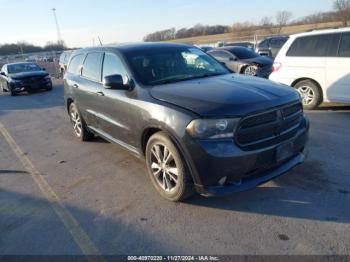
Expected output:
(61, 196)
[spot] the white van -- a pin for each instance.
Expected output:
(317, 64)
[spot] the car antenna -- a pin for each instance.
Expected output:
(99, 39)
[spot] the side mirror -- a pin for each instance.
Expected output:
(115, 82)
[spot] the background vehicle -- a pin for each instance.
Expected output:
(206, 48)
(63, 62)
(244, 61)
(20, 77)
(242, 44)
(317, 64)
(270, 46)
(187, 115)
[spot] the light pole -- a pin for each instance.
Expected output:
(59, 36)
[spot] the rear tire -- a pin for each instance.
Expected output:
(167, 169)
(79, 126)
(310, 93)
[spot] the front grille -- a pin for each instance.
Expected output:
(33, 80)
(269, 128)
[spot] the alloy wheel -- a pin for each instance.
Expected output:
(164, 167)
(76, 121)
(250, 70)
(307, 94)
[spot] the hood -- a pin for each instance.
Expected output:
(225, 96)
(24, 75)
(261, 60)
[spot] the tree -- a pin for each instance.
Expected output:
(282, 19)
(266, 21)
(343, 10)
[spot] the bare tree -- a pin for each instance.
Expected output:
(282, 19)
(343, 10)
(266, 21)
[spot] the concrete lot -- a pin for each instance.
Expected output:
(60, 196)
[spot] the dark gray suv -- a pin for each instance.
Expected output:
(198, 127)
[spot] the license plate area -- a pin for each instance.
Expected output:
(284, 152)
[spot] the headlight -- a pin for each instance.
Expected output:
(14, 81)
(212, 128)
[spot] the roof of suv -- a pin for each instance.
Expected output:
(323, 31)
(135, 47)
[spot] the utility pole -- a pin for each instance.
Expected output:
(59, 36)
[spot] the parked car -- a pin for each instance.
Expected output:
(242, 44)
(244, 61)
(64, 58)
(270, 46)
(197, 126)
(317, 64)
(20, 77)
(206, 48)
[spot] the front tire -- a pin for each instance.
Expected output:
(79, 126)
(310, 93)
(167, 169)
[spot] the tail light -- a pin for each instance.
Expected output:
(276, 66)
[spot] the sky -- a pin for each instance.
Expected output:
(130, 20)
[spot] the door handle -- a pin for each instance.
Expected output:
(76, 86)
(100, 93)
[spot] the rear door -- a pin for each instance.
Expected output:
(338, 70)
(89, 88)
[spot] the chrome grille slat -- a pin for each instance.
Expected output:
(269, 128)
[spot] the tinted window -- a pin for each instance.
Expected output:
(277, 43)
(75, 64)
(344, 49)
(92, 66)
(264, 44)
(112, 65)
(311, 46)
(244, 53)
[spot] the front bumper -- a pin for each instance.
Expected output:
(213, 160)
(22, 87)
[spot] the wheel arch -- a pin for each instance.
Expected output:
(151, 130)
(69, 101)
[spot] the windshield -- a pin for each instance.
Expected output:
(244, 53)
(168, 65)
(21, 68)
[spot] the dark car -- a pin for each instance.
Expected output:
(198, 127)
(206, 48)
(242, 44)
(243, 60)
(270, 46)
(20, 77)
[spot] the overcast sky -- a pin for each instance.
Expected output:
(129, 20)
